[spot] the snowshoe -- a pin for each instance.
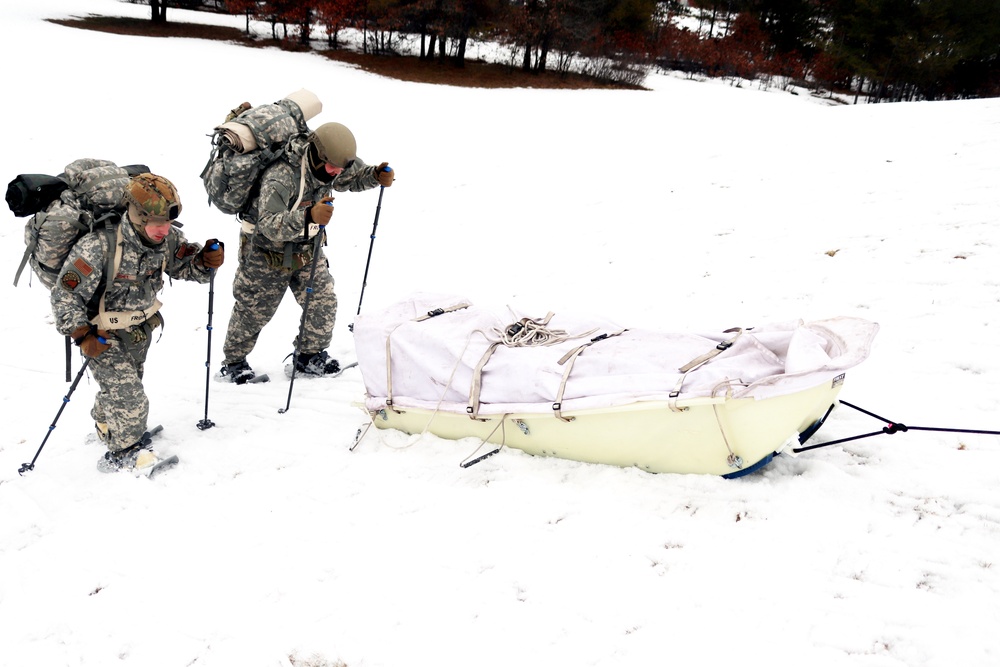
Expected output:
(317, 365)
(239, 373)
(124, 459)
(140, 457)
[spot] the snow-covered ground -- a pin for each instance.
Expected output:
(688, 206)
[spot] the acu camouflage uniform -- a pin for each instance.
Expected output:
(121, 402)
(276, 253)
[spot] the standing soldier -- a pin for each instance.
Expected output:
(112, 317)
(277, 244)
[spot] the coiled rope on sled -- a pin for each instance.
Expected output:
(526, 332)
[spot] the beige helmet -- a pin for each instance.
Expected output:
(152, 200)
(335, 144)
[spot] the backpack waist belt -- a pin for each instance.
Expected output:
(123, 319)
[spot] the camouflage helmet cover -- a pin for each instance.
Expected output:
(335, 144)
(154, 198)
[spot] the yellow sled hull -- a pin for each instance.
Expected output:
(715, 436)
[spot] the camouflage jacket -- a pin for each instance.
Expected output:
(276, 222)
(77, 291)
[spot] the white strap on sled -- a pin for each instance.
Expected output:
(388, 345)
(526, 332)
(569, 359)
(441, 311)
(477, 380)
(700, 361)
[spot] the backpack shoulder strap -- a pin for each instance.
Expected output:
(170, 255)
(302, 182)
(113, 233)
(119, 319)
(116, 241)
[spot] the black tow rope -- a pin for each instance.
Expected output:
(890, 428)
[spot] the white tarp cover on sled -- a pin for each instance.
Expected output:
(433, 360)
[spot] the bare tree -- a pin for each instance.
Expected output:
(158, 9)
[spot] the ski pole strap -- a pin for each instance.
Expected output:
(700, 361)
(568, 360)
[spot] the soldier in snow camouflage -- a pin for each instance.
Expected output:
(114, 326)
(278, 241)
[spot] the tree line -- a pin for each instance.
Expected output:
(876, 50)
(884, 50)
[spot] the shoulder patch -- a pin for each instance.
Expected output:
(83, 267)
(70, 280)
(186, 250)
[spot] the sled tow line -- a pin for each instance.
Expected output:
(890, 428)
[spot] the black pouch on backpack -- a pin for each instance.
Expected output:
(30, 193)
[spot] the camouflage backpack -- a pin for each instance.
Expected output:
(87, 196)
(248, 141)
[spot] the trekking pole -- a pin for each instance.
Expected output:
(364, 281)
(31, 466)
(207, 423)
(305, 310)
(69, 358)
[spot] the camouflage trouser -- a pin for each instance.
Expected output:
(121, 402)
(258, 288)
